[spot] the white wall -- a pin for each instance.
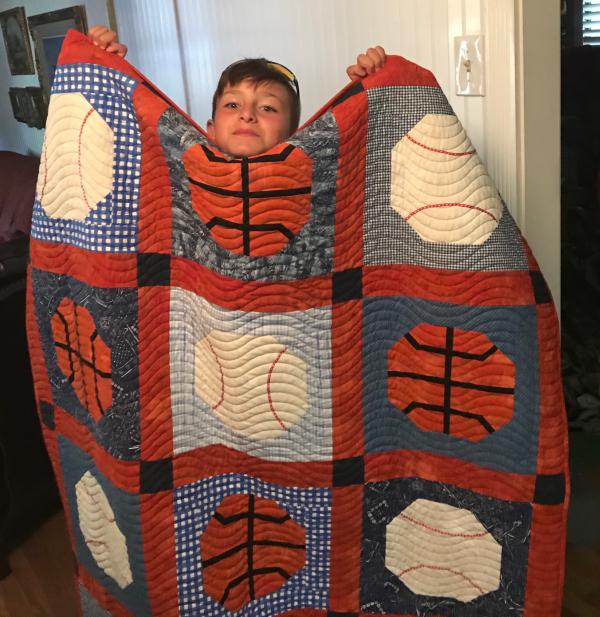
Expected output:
(182, 45)
(317, 39)
(14, 135)
(538, 147)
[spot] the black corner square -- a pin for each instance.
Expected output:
(541, 292)
(349, 92)
(347, 285)
(156, 476)
(348, 471)
(336, 614)
(47, 414)
(550, 489)
(154, 269)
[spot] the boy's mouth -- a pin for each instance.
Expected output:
(247, 132)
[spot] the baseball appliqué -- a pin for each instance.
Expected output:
(440, 186)
(100, 531)
(438, 550)
(254, 384)
(76, 165)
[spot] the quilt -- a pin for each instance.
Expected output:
(319, 382)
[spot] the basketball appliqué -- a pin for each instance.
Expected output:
(254, 384)
(451, 381)
(83, 357)
(249, 549)
(255, 206)
(438, 550)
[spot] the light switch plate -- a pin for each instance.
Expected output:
(469, 65)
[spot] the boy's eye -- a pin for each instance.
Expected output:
(268, 108)
(231, 105)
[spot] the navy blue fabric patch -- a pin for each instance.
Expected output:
(156, 476)
(509, 523)
(348, 471)
(126, 509)
(513, 330)
(308, 253)
(114, 313)
(550, 489)
(356, 88)
(540, 288)
(347, 285)
(154, 269)
(47, 414)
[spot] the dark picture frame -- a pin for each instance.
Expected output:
(48, 31)
(16, 41)
(28, 106)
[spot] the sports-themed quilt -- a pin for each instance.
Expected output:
(318, 382)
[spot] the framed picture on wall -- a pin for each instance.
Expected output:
(48, 31)
(16, 41)
(28, 106)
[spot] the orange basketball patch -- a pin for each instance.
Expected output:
(83, 356)
(253, 206)
(249, 549)
(451, 381)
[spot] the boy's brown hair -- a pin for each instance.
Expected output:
(257, 71)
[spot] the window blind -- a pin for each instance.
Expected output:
(591, 22)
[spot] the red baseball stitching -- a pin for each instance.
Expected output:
(443, 533)
(466, 578)
(418, 143)
(45, 173)
(269, 388)
(222, 377)
(89, 113)
(450, 205)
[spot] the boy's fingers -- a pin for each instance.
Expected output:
(376, 56)
(355, 72)
(96, 31)
(117, 48)
(365, 61)
(107, 38)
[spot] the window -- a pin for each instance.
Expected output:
(591, 22)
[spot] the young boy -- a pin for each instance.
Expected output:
(257, 102)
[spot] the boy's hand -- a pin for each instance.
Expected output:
(369, 62)
(107, 40)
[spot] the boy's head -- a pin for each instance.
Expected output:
(256, 105)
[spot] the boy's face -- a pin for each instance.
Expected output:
(251, 118)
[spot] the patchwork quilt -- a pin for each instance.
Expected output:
(318, 382)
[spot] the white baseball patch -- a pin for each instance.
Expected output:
(438, 550)
(100, 531)
(440, 186)
(254, 384)
(76, 165)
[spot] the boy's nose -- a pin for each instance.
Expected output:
(247, 114)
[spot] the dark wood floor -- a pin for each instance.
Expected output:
(40, 583)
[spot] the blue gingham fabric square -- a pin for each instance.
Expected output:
(112, 225)
(195, 505)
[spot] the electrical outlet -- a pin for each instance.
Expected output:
(469, 65)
